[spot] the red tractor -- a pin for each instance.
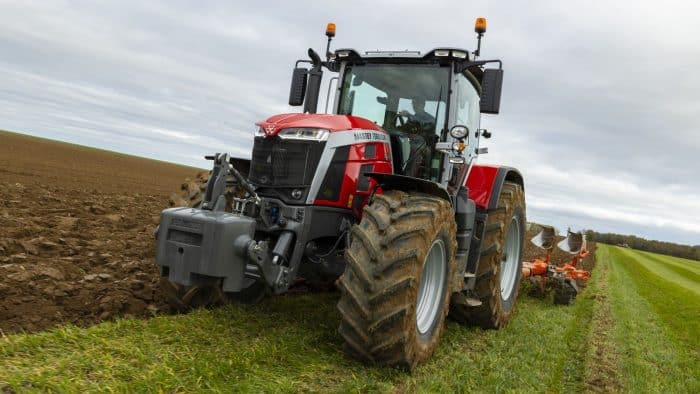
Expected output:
(381, 196)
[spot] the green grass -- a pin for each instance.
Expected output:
(656, 324)
(290, 344)
(687, 268)
(676, 302)
(664, 267)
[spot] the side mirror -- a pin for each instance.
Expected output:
(491, 90)
(298, 88)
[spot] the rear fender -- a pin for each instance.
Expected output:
(485, 183)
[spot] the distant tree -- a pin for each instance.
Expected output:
(634, 242)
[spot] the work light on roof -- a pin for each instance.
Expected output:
(442, 52)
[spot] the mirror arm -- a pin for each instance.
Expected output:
(296, 65)
(460, 67)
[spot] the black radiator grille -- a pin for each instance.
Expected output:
(280, 162)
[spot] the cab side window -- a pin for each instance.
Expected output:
(467, 110)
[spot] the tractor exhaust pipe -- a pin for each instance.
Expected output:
(314, 83)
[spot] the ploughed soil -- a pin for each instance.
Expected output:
(76, 233)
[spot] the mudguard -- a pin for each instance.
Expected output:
(407, 183)
(484, 183)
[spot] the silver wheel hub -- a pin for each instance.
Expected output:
(432, 285)
(510, 259)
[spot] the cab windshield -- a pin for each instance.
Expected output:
(398, 97)
(407, 100)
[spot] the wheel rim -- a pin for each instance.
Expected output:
(432, 283)
(510, 260)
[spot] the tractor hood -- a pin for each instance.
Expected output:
(275, 124)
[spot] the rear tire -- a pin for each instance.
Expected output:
(395, 290)
(500, 263)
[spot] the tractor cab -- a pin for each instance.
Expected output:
(429, 103)
(408, 96)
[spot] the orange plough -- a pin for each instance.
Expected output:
(565, 278)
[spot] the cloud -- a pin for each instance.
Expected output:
(599, 109)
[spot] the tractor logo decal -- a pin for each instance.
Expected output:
(369, 136)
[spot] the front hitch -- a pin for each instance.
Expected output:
(272, 266)
(215, 193)
(195, 245)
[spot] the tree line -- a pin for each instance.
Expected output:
(634, 242)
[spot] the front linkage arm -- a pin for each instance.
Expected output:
(270, 262)
(230, 232)
(215, 194)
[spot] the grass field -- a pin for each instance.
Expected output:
(631, 330)
(656, 310)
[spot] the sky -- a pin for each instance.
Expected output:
(600, 108)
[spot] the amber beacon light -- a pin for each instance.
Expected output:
(479, 26)
(480, 29)
(330, 29)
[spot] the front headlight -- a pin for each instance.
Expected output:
(303, 133)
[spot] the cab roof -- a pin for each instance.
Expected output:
(443, 55)
(436, 53)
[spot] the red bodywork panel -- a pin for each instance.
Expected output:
(275, 124)
(480, 184)
(351, 194)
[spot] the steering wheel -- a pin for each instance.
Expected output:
(406, 124)
(402, 118)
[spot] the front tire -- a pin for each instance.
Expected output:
(395, 290)
(500, 263)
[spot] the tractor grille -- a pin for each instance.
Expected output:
(279, 163)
